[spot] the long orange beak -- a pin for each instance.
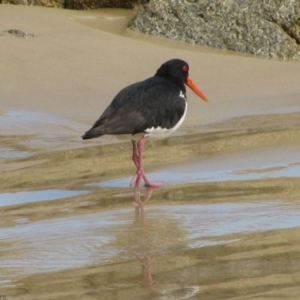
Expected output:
(191, 84)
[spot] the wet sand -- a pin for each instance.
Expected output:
(226, 223)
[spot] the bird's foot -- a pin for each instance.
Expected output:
(137, 178)
(152, 184)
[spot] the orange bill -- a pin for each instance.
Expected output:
(191, 84)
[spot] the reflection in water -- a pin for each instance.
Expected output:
(147, 247)
(157, 292)
(119, 235)
(140, 216)
(140, 204)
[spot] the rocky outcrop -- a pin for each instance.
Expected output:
(93, 4)
(46, 3)
(79, 4)
(270, 27)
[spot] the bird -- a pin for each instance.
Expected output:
(154, 107)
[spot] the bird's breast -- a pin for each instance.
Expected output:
(161, 132)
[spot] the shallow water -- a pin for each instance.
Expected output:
(8, 199)
(245, 165)
(227, 221)
(224, 222)
(110, 236)
(10, 153)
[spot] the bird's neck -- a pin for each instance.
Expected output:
(175, 80)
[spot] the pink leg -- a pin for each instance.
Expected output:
(148, 183)
(137, 159)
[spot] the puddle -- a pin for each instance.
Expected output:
(115, 236)
(7, 153)
(244, 165)
(8, 199)
(222, 219)
(224, 175)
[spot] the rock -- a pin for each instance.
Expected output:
(46, 3)
(270, 27)
(18, 33)
(79, 4)
(94, 4)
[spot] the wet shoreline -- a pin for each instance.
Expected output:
(267, 204)
(216, 139)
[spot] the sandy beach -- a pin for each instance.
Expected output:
(225, 225)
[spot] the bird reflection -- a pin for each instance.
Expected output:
(146, 243)
(140, 203)
(140, 217)
(146, 236)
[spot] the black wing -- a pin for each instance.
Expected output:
(150, 103)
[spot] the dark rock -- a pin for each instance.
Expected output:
(79, 4)
(270, 27)
(18, 33)
(94, 4)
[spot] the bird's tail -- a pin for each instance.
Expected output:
(92, 133)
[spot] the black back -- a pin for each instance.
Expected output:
(150, 103)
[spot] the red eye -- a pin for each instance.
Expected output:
(184, 68)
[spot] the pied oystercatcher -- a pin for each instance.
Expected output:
(154, 107)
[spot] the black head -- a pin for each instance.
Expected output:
(176, 70)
